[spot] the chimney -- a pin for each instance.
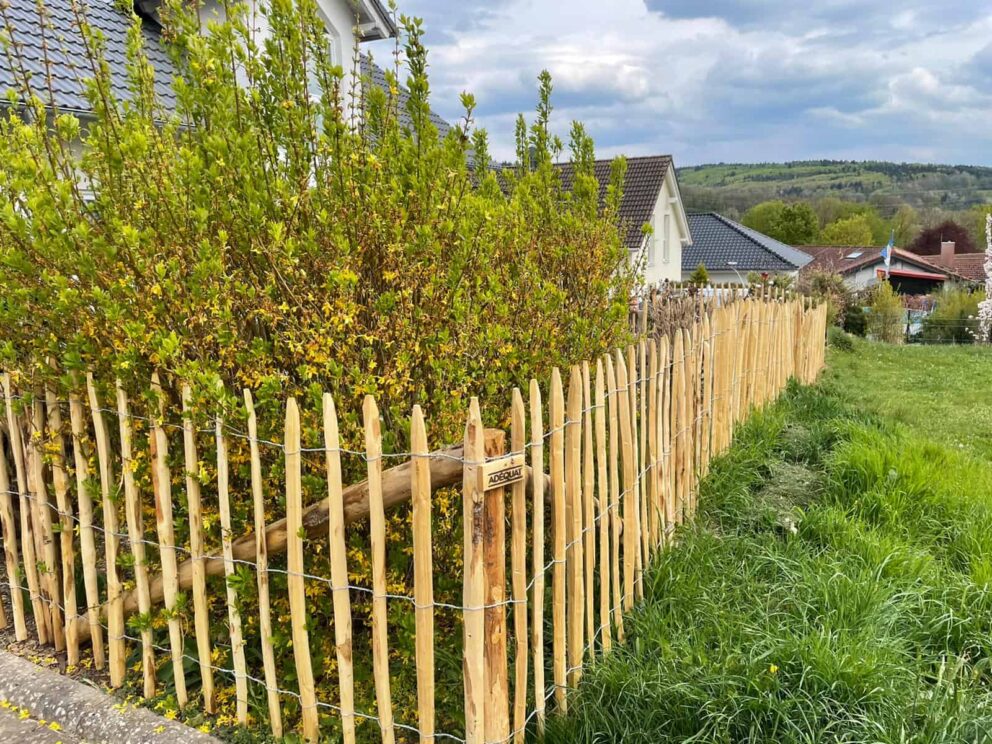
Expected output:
(947, 252)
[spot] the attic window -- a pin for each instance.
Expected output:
(856, 254)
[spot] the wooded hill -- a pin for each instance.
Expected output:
(732, 187)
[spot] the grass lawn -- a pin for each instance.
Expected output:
(837, 585)
(943, 393)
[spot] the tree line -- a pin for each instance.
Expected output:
(834, 221)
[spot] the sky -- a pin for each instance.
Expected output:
(724, 81)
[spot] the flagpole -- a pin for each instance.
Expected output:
(887, 253)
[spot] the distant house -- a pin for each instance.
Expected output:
(730, 251)
(863, 268)
(971, 266)
(650, 197)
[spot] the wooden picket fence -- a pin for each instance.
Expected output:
(591, 486)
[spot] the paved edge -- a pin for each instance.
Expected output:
(83, 711)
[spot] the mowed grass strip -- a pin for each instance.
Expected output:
(836, 588)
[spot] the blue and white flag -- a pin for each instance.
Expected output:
(887, 252)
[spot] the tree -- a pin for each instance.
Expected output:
(928, 242)
(764, 217)
(905, 225)
(955, 316)
(974, 220)
(830, 288)
(853, 231)
(783, 281)
(885, 318)
(985, 306)
(831, 208)
(700, 276)
(854, 320)
(796, 225)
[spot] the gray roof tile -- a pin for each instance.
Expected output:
(377, 77)
(68, 57)
(68, 68)
(717, 240)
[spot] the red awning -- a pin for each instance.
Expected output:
(913, 275)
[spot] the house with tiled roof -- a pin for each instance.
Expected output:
(62, 83)
(971, 266)
(651, 198)
(864, 267)
(730, 251)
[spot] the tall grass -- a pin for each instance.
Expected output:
(835, 588)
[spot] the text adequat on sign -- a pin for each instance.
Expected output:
(501, 472)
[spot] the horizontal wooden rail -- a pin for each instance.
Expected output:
(446, 470)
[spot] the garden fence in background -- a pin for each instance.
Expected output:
(560, 521)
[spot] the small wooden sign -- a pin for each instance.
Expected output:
(501, 472)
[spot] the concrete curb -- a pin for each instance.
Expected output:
(83, 711)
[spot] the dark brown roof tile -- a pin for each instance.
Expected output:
(645, 177)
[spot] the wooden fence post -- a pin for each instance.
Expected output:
(494, 547)
(423, 574)
(679, 425)
(603, 510)
(651, 528)
(667, 514)
(518, 558)
(12, 560)
(633, 520)
(134, 516)
(377, 529)
(709, 370)
(115, 610)
(262, 573)
(60, 480)
(559, 538)
(696, 405)
(614, 469)
(295, 578)
(51, 576)
(474, 593)
(87, 541)
(574, 552)
(339, 572)
(630, 537)
(233, 614)
(537, 623)
(28, 549)
(643, 471)
(201, 610)
(588, 509)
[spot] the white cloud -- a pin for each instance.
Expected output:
(714, 79)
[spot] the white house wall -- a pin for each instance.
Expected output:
(337, 15)
(867, 276)
(658, 267)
